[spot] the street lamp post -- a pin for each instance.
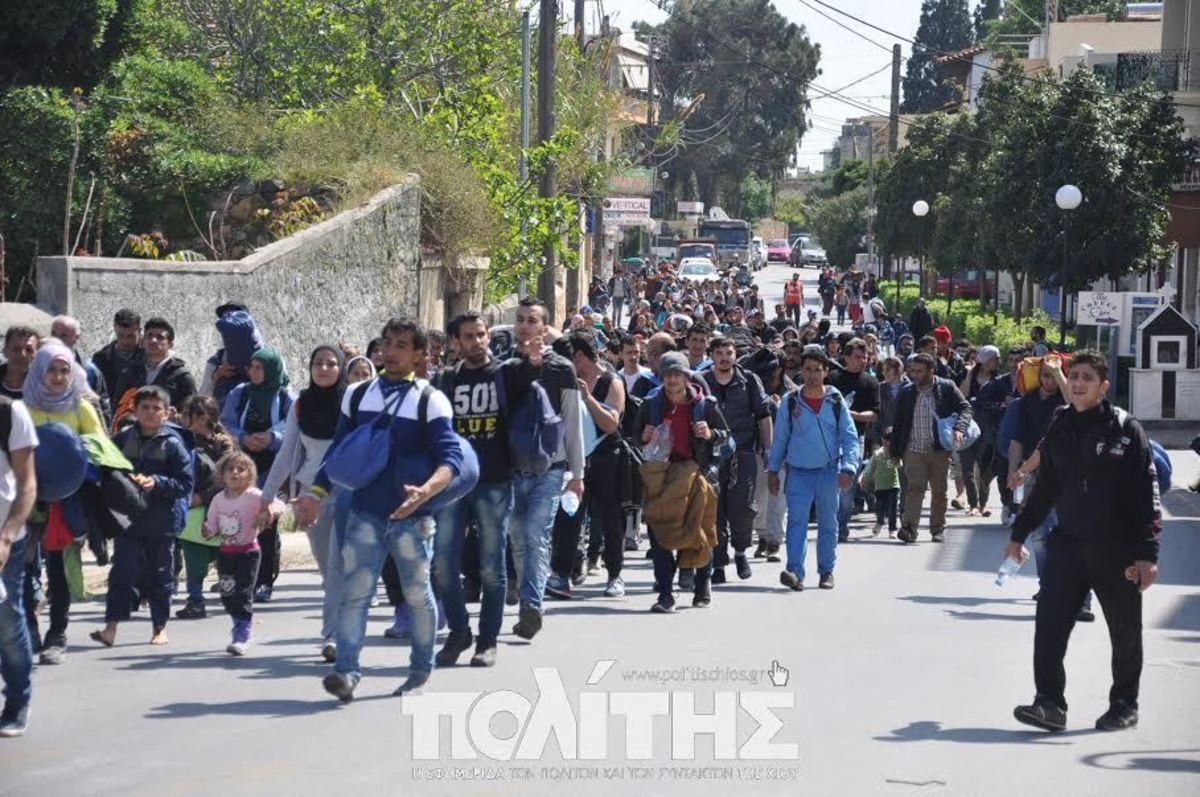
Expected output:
(920, 209)
(1067, 198)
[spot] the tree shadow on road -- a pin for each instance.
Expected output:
(932, 731)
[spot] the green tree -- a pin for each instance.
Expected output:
(756, 198)
(840, 223)
(736, 106)
(945, 27)
(1028, 16)
(791, 208)
(985, 13)
(61, 43)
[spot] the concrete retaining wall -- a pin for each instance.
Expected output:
(336, 281)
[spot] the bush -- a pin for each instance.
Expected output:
(968, 320)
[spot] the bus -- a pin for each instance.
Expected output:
(732, 237)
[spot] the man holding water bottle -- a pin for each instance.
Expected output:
(1097, 473)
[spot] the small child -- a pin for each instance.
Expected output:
(882, 476)
(236, 515)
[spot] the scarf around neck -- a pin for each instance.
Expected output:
(318, 408)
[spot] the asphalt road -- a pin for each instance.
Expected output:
(900, 681)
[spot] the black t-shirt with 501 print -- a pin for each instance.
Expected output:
(477, 416)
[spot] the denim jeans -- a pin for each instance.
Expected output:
(16, 652)
(367, 540)
(535, 503)
(665, 568)
(490, 504)
(804, 487)
(337, 508)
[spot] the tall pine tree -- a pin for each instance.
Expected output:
(985, 12)
(945, 27)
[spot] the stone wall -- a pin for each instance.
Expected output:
(339, 280)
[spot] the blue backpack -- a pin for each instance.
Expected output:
(1162, 465)
(535, 430)
(360, 456)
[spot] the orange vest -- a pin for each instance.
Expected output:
(792, 293)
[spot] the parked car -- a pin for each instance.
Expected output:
(697, 268)
(778, 251)
(967, 285)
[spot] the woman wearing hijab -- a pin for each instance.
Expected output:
(308, 435)
(255, 415)
(56, 391)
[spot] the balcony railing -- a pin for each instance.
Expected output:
(1171, 70)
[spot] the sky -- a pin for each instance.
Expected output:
(845, 57)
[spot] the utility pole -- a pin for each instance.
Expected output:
(650, 133)
(894, 115)
(871, 196)
(575, 279)
(547, 188)
(523, 287)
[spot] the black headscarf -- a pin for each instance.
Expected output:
(318, 407)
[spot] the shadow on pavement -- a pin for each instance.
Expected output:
(274, 709)
(931, 731)
(939, 600)
(1185, 616)
(1021, 618)
(1148, 761)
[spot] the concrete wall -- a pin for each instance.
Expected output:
(336, 281)
(1103, 37)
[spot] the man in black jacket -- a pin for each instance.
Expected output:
(1098, 474)
(123, 352)
(915, 442)
(158, 366)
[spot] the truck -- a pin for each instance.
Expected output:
(696, 247)
(732, 237)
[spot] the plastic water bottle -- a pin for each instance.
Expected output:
(3, 592)
(570, 503)
(1019, 494)
(1008, 569)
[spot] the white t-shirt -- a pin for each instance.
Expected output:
(631, 379)
(23, 435)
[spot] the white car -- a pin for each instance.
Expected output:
(697, 268)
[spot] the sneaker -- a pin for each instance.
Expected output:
(938, 536)
(14, 723)
(773, 552)
(1005, 516)
(875, 532)
(664, 605)
(457, 643)
(687, 580)
(558, 587)
(241, 638)
(761, 550)
(191, 611)
(958, 503)
(579, 579)
(1085, 616)
(472, 590)
(53, 654)
(1119, 717)
(374, 601)
(340, 686)
(702, 598)
(743, 566)
(401, 627)
(263, 595)
(826, 581)
(484, 657)
(615, 588)
(237, 648)
(844, 536)
(891, 534)
(411, 684)
(718, 575)
(512, 595)
(1042, 715)
(792, 581)
(907, 535)
(593, 566)
(529, 622)
(329, 650)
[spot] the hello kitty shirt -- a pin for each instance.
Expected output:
(235, 520)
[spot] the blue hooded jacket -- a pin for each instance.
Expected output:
(810, 441)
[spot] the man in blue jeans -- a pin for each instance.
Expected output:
(471, 388)
(18, 491)
(390, 514)
(536, 495)
(815, 438)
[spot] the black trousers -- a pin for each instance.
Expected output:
(792, 311)
(736, 508)
(602, 499)
(665, 567)
(886, 504)
(1000, 468)
(59, 594)
(391, 582)
(272, 548)
(1071, 569)
(238, 573)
